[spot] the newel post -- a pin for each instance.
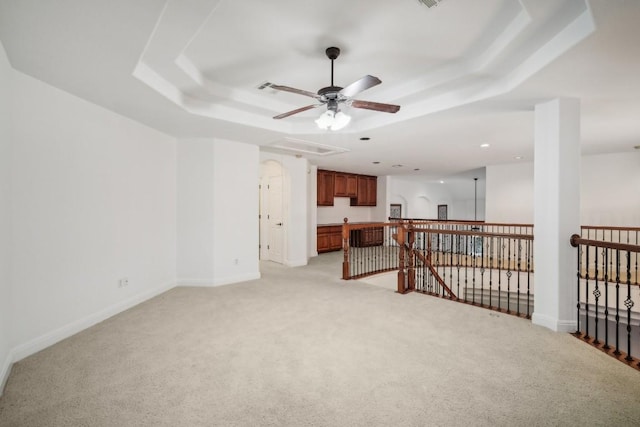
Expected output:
(345, 248)
(402, 275)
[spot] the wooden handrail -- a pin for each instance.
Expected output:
(605, 227)
(576, 240)
(472, 233)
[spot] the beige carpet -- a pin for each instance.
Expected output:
(300, 347)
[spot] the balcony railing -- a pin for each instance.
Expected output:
(492, 266)
(489, 265)
(608, 291)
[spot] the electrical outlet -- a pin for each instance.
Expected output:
(236, 261)
(123, 283)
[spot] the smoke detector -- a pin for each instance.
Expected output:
(430, 3)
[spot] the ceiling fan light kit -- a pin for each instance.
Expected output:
(331, 96)
(333, 120)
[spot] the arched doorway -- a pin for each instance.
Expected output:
(272, 224)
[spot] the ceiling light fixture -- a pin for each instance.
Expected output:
(333, 120)
(484, 145)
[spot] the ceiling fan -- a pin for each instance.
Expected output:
(332, 96)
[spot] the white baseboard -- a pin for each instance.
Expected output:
(40, 343)
(296, 262)
(556, 325)
(208, 283)
(6, 370)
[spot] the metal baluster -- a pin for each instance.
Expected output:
(473, 277)
(500, 257)
(617, 350)
(509, 273)
(529, 252)
(519, 271)
(466, 266)
(629, 304)
(586, 294)
(491, 248)
(596, 293)
(458, 267)
(580, 250)
(606, 300)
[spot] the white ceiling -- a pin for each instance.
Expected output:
(465, 72)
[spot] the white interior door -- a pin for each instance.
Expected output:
(274, 221)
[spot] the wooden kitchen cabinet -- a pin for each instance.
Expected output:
(329, 238)
(345, 185)
(361, 238)
(325, 187)
(367, 191)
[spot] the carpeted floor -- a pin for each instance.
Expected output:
(301, 347)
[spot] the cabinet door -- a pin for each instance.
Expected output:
(346, 185)
(367, 191)
(323, 243)
(325, 188)
(340, 184)
(336, 240)
(352, 185)
(372, 191)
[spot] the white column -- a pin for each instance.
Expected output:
(556, 212)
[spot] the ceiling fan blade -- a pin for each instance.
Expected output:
(299, 110)
(377, 106)
(363, 84)
(294, 90)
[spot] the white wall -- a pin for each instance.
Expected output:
(609, 193)
(610, 189)
(217, 212)
(195, 212)
(5, 225)
(93, 201)
(295, 188)
(312, 217)
(236, 199)
(421, 199)
(342, 209)
(510, 193)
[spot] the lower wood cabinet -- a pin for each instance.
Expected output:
(329, 238)
(366, 237)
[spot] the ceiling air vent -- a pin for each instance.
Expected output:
(297, 146)
(430, 3)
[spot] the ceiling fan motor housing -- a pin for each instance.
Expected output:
(332, 52)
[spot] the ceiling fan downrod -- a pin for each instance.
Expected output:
(332, 54)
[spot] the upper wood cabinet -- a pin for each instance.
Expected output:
(362, 189)
(367, 191)
(345, 185)
(325, 187)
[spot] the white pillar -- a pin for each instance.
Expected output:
(556, 213)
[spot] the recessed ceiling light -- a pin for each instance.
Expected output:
(396, 166)
(484, 145)
(441, 182)
(376, 163)
(518, 157)
(365, 138)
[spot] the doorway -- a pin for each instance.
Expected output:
(272, 224)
